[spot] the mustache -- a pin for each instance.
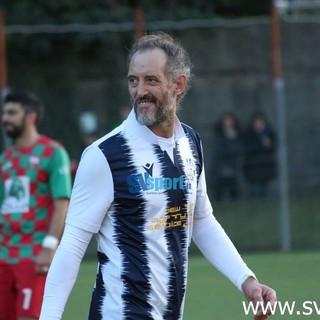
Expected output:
(148, 98)
(5, 123)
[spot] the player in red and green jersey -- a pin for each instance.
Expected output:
(35, 186)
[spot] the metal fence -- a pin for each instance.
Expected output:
(233, 73)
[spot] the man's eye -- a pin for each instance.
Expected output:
(153, 80)
(133, 81)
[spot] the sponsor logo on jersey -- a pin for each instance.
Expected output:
(145, 182)
(34, 161)
(63, 170)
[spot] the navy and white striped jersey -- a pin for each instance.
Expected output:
(143, 218)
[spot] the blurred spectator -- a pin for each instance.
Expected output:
(123, 114)
(259, 162)
(87, 139)
(227, 156)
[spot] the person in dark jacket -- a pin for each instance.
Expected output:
(259, 161)
(227, 157)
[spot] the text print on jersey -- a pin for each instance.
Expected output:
(145, 182)
(175, 217)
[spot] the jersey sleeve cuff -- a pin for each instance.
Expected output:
(239, 282)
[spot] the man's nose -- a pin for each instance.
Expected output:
(142, 89)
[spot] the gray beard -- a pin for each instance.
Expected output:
(162, 114)
(144, 118)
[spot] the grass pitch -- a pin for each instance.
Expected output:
(295, 276)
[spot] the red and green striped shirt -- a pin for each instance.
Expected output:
(30, 180)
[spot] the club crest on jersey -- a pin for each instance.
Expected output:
(190, 169)
(146, 182)
(16, 190)
(16, 195)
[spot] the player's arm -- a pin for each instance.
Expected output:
(60, 188)
(219, 250)
(64, 271)
(58, 218)
(87, 209)
(51, 241)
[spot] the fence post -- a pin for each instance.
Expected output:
(279, 87)
(3, 73)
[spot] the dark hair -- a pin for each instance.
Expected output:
(258, 115)
(178, 61)
(218, 128)
(28, 100)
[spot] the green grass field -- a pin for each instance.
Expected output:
(295, 276)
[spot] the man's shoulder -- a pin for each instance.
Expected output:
(6, 153)
(189, 131)
(49, 142)
(111, 142)
(47, 147)
(2, 154)
(187, 127)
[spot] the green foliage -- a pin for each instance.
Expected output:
(64, 11)
(242, 7)
(94, 11)
(60, 12)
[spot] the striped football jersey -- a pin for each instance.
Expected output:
(143, 221)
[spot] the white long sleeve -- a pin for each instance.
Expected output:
(217, 247)
(63, 271)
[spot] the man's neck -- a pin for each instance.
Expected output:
(27, 139)
(165, 129)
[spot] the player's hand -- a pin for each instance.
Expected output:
(259, 294)
(44, 260)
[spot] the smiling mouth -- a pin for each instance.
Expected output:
(145, 103)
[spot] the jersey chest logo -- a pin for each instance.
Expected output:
(149, 181)
(17, 195)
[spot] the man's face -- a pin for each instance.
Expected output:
(151, 91)
(13, 119)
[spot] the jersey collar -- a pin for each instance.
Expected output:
(146, 134)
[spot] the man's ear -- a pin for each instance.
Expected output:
(181, 84)
(32, 117)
